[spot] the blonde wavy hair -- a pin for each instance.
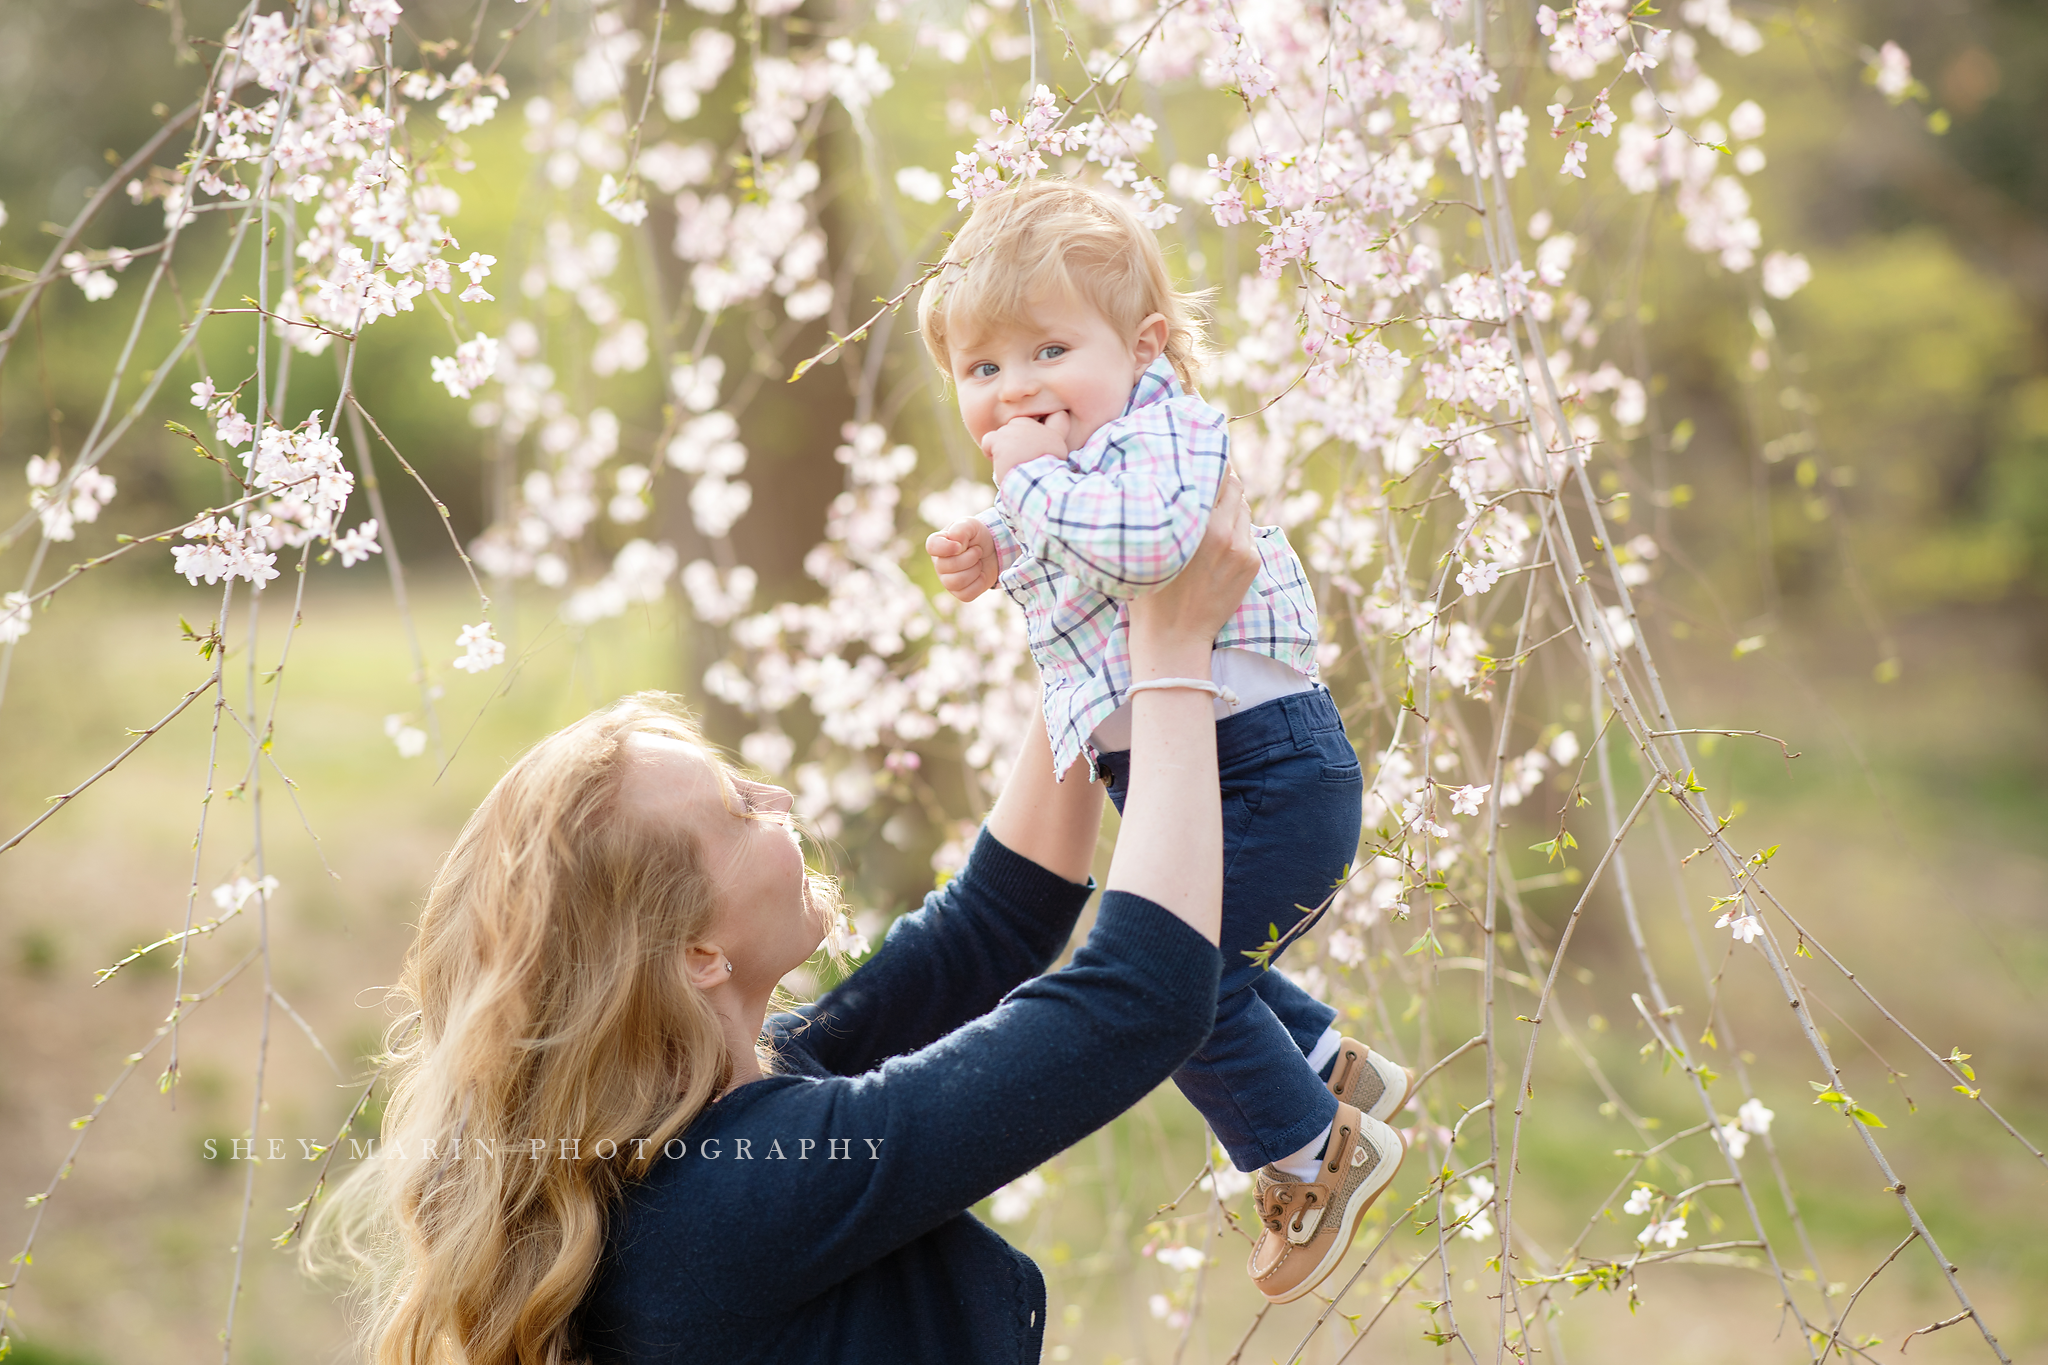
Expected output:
(545, 996)
(1045, 237)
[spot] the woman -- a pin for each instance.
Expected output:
(599, 1147)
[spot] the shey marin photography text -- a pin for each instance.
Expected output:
(771, 1148)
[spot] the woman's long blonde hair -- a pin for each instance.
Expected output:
(545, 997)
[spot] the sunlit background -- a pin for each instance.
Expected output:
(1867, 586)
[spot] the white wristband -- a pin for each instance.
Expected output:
(1227, 696)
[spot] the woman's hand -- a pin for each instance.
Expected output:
(1174, 627)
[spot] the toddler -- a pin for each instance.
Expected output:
(1072, 356)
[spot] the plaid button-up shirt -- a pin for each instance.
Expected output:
(1077, 538)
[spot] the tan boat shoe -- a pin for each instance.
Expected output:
(1374, 1085)
(1309, 1224)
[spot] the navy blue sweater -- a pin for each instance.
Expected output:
(821, 1215)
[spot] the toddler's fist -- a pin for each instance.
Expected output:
(965, 556)
(1023, 439)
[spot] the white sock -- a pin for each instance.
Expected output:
(1325, 1048)
(1304, 1163)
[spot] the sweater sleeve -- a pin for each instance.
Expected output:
(1124, 513)
(929, 1134)
(1003, 919)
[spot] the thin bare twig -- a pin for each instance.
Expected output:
(142, 737)
(1935, 1327)
(889, 305)
(439, 506)
(1841, 1323)
(1783, 747)
(304, 1207)
(83, 1124)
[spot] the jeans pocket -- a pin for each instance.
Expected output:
(1340, 760)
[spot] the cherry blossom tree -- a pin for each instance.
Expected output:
(1395, 201)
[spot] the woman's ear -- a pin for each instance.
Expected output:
(706, 966)
(1151, 342)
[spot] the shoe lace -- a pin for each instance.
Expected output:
(1285, 1201)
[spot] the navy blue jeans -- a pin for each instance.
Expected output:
(1291, 793)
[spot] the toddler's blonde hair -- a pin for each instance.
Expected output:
(1048, 237)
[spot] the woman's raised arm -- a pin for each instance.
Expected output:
(1054, 824)
(1170, 849)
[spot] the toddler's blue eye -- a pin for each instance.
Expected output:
(985, 370)
(1051, 352)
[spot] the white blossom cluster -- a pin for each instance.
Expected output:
(740, 249)
(882, 665)
(330, 132)
(301, 471)
(307, 120)
(60, 513)
(1474, 1209)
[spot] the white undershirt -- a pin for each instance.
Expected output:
(1254, 677)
